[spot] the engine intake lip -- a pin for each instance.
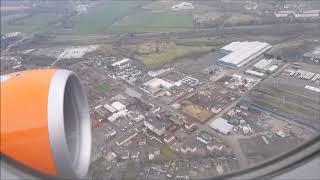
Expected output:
(69, 125)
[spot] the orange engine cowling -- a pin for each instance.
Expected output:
(45, 126)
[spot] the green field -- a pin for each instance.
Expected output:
(35, 23)
(167, 153)
(201, 41)
(169, 54)
(102, 87)
(148, 21)
(96, 21)
(100, 17)
(160, 5)
(104, 17)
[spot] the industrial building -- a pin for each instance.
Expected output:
(221, 125)
(240, 53)
(124, 63)
(157, 83)
(155, 126)
(204, 137)
(117, 115)
(311, 88)
(126, 138)
(304, 14)
(109, 108)
(266, 65)
(118, 106)
(182, 6)
(254, 73)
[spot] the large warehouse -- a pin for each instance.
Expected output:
(240, 53)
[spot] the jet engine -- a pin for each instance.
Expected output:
(45, 125)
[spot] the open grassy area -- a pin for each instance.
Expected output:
(101, 87)
(100, 17)
(167, 153)
(35, 23)
(154, 22)
(162, 5)
(202, 41)
(240, 18)
(170, 53)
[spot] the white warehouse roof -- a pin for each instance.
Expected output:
(312, 88)
(118, 106)
(118, 63)
(221, 125)
(263, 64)
(240, 53)
(255, 73)
(109, 108)
(158, 83)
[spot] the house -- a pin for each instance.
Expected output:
(189, 147)
(214, 146)
(169, 138)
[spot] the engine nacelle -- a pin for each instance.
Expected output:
(45, 125)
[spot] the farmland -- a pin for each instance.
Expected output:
(29, 24)
(101, 18)
(98, 19)
(154, 21)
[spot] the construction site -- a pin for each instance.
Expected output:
(206, 103)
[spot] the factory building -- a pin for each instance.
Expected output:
(221, 125)
(266, 65)
(240, 53)
(122, 64)
(204, 138)
(156, 83)
(254, 73)
(117, 115)
(118, 106)
(182, 6)
(155, 126)
(311, 88)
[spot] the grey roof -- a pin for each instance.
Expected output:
(133, 93)
(221, 125)
(156, 123)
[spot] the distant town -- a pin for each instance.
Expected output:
(179, 89)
